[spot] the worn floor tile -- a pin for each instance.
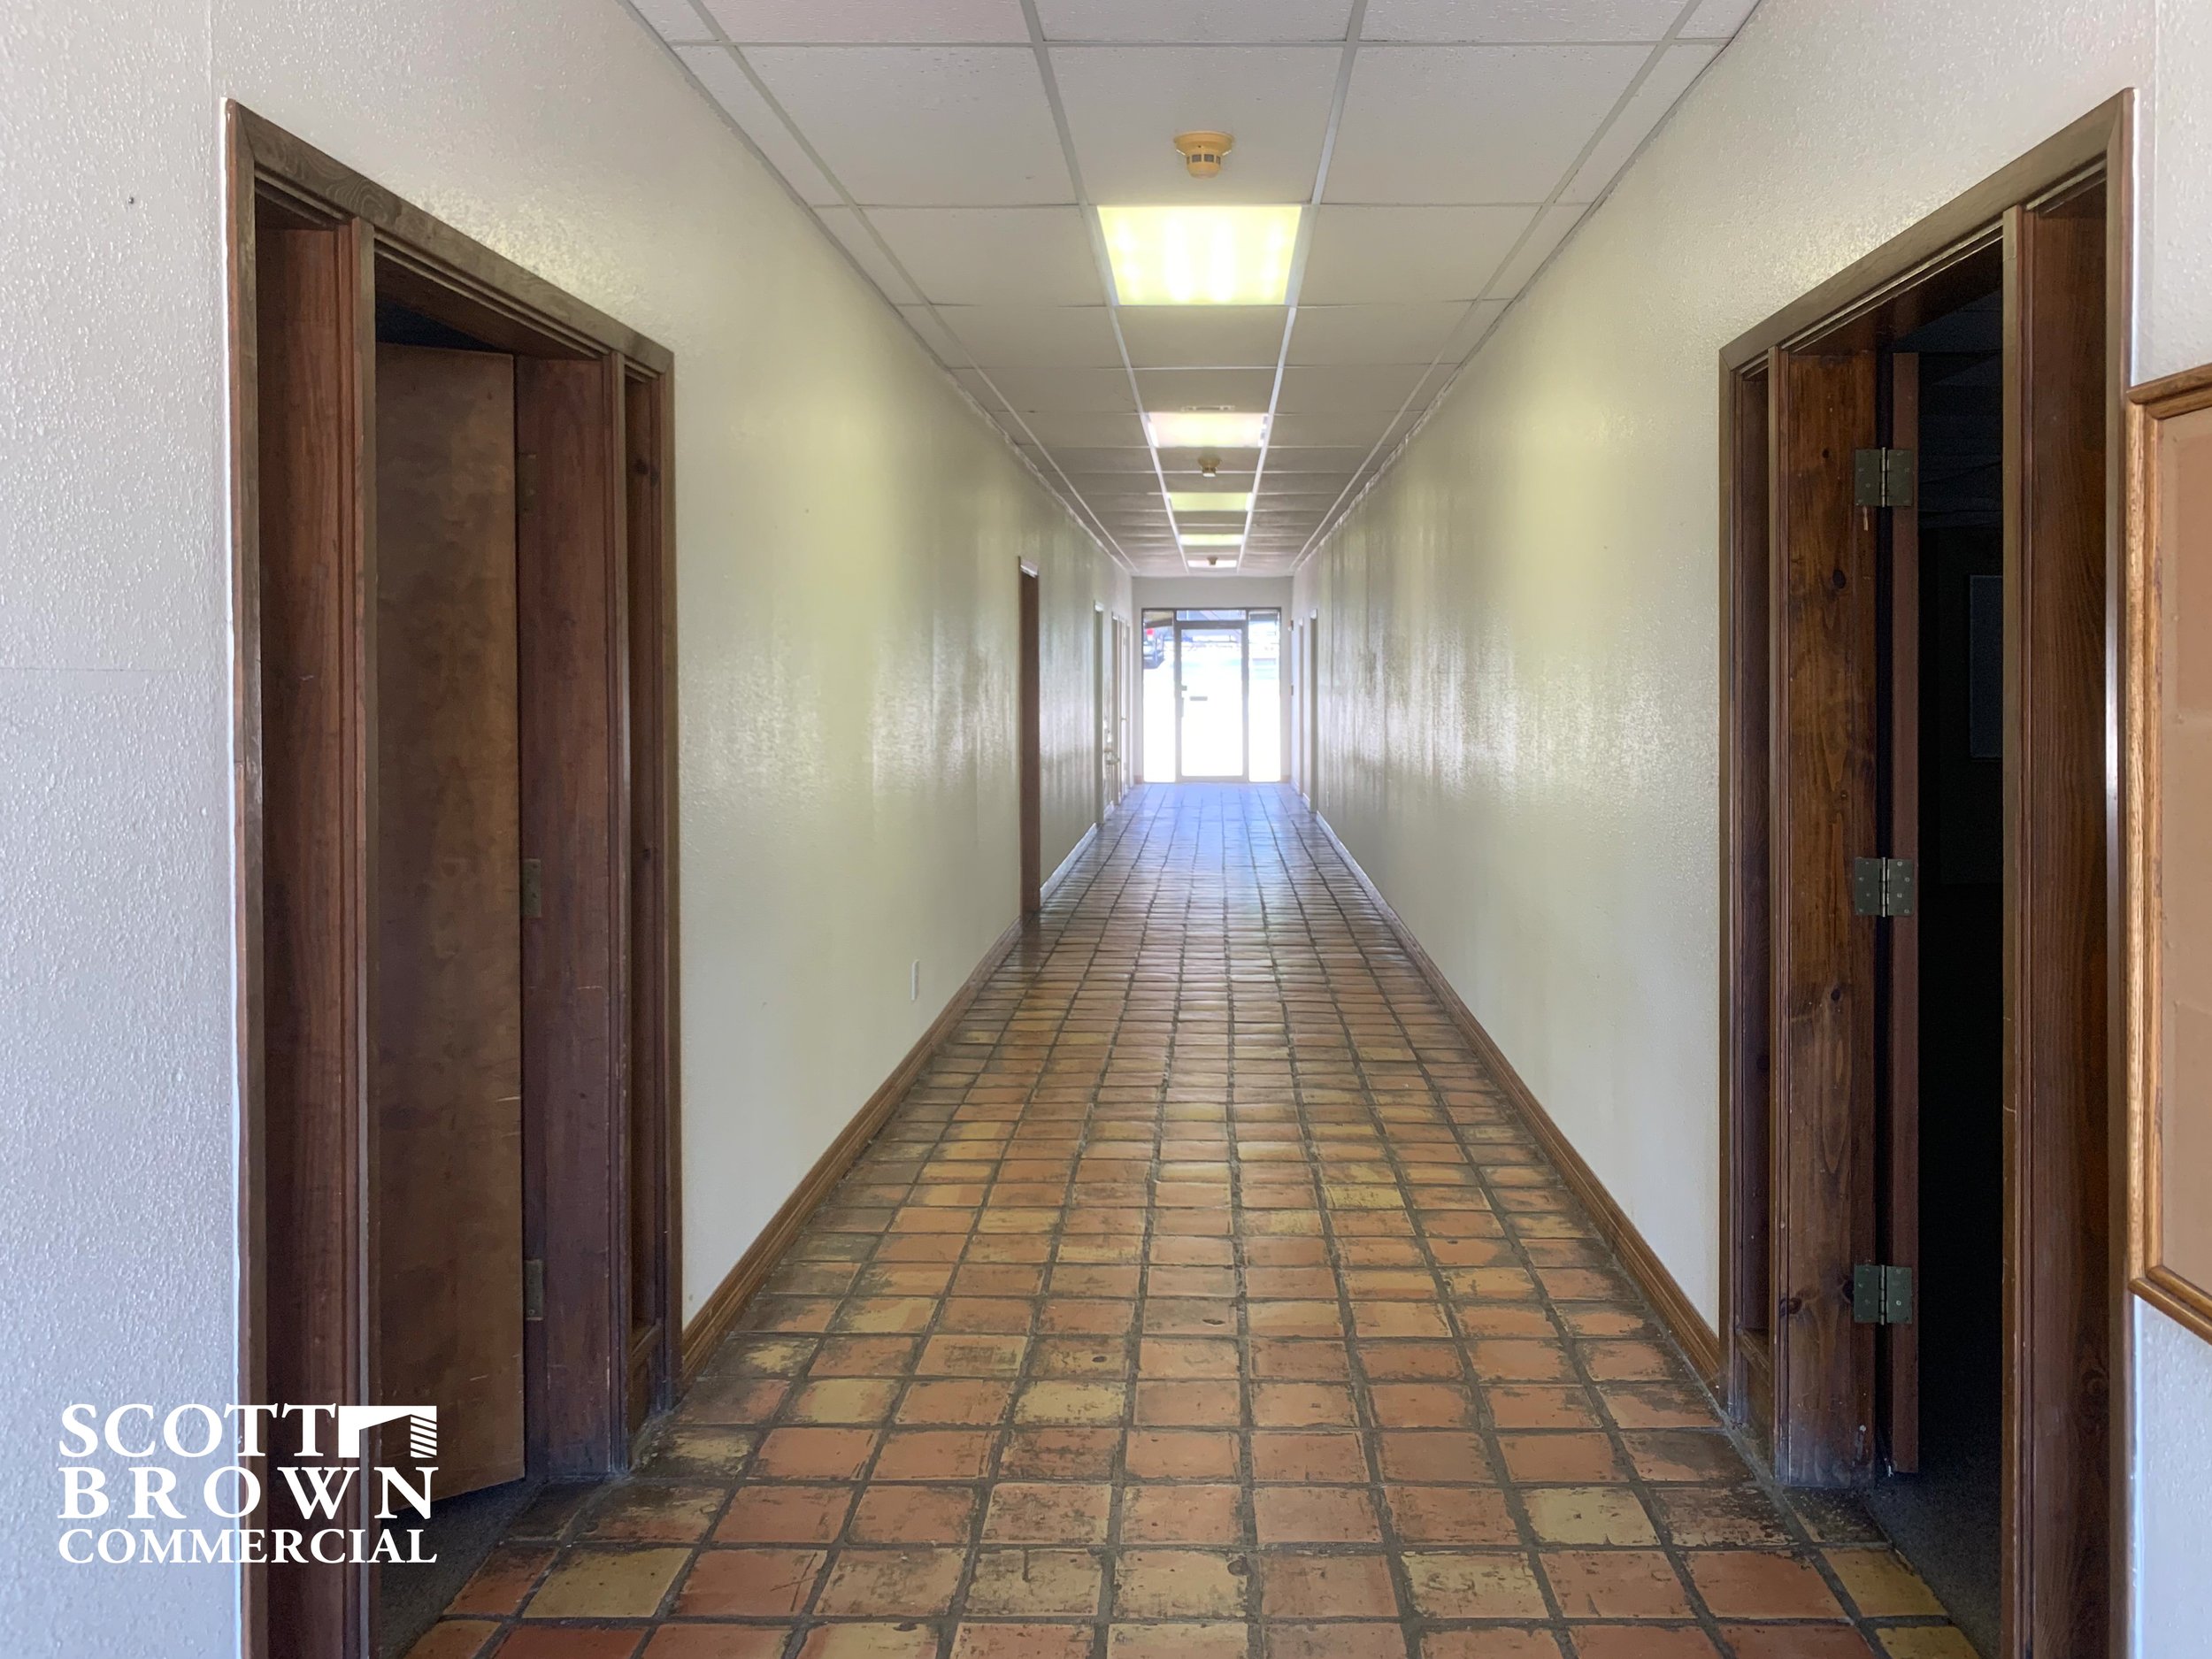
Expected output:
(1204, 1298)
(607, 1583)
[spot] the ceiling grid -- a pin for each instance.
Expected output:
(961, 150)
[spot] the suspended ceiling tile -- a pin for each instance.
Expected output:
(1232, 461)
(995, 255)
(924, 126)
(977, 385)
(1381, 387)
(1408, 255)
(1372, 334)
(1186, 20)
(1203, 336)
(719, 72)
(1298, 457)
(1094, 430)
(846, 226)
(1132, 459)
(1718, 19)
(1551, 230)
(1515, 21)
(870, 20)
(1356, 426)
(1071, 391)
(936, 336)
(1470, 124)
(1482, 318)
(1662, 88)
(1034, 336)
(1126, 104)
(1205, 388)
(674, 19)
(1113, 487)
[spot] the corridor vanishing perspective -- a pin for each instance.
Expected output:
(1205, 1298)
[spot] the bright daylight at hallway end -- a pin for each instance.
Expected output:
(1107, 829)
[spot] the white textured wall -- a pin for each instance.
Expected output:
(1519, 621)
(848, 533)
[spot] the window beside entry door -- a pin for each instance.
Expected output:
(1157, 676)
(1263, 640)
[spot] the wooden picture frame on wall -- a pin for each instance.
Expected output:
(2167, 784)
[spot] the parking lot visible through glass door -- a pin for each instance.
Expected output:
(1211, 660)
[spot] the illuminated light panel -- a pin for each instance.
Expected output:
(1213, 540)
(1200, 256)
(1205, 429)
(1206, 501)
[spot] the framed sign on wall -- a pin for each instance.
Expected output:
(2167, 783)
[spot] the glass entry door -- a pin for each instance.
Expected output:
(1210, 666)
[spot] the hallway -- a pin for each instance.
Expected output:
(1203, 1298)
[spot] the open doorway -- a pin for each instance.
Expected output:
(1922, 509)
(456, 931)
(1943, 1505)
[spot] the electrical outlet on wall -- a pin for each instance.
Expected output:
(914, 983)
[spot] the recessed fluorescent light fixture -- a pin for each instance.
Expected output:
(1200, 256)
(1209, 501)
(1213, 540)
(1205, 429)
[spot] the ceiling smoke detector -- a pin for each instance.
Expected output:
(1202, 152)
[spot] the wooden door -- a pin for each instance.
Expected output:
(1099, 732)
(445, 1091)
(1897, 1346)
(1028, 741)
(1121, 707)
(2060, 391)
(1824, 752)
(1313, 712)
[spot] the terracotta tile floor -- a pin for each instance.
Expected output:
(1204, 1298)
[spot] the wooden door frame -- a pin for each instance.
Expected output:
(594, 529)
(1313, 709)
(1100, 645)
(2100, 144)
(1029, 759)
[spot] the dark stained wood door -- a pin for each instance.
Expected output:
(2059, 1317)
(1899, 1227)
(1824, 745)
(1029, 739)
(447, 1073)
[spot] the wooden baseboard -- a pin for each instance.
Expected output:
(1067, 866)
(1698, 1341)
(720, 1312)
